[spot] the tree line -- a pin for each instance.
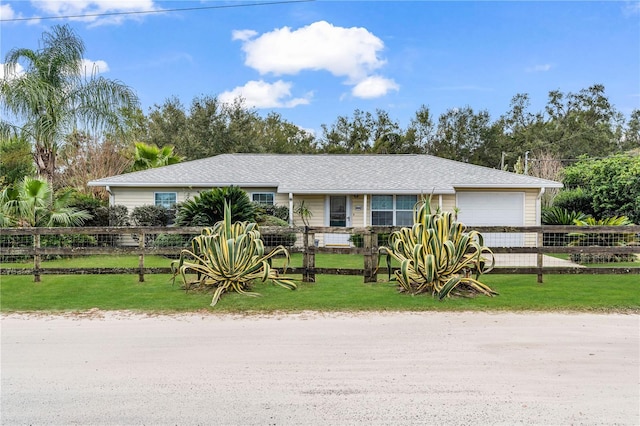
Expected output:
(70, 129)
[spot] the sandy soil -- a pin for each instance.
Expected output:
(381, 368)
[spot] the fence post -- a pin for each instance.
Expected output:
(309, 256)
(141, 257)
(540, 254)
(36, 257)
(369, 266)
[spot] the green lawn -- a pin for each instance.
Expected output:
(329, 293)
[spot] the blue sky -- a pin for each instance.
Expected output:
(313, 61)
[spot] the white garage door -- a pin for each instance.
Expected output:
(493, 209)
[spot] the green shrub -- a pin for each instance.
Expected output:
(603, 240)
(150, 215)
(576, 200)
(358, 239)
(177, 241)
(612, 185)
(273, 240)
(171, 240)
(207, 208)
(281, 212)
(559, 216)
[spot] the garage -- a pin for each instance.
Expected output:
(493, 209)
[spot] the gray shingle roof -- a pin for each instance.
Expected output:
(328, 174)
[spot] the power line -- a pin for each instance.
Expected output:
(142, 12)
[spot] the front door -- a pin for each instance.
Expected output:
(338, 217)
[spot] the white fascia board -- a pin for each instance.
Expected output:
(368, 191)
(548, 184)
(182, 184)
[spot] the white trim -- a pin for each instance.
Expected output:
(365, 191)
(364, 210)
(125, 184)
(548, 184)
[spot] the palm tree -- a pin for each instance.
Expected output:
(33, 203)
(53, 97)
(148, 156)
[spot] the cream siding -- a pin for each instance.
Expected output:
(134, 197)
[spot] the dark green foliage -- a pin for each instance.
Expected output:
(95, 207)
(576, 199)
(358, 240)
(286, 240)
(604, 240)
(150, 216)
(561, 216)
(16, 161)
(172, 240)
(613, 185)
(281, 212)
(118, 216)
(207, 208)
(177, 241)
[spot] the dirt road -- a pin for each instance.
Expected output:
(382, 368)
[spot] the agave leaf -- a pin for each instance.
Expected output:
(436, 255)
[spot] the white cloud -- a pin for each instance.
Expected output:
(89, 68)
(243, 35)
(374, 87)
(540, 68)
(350, 52)
(6, 12)
(84, 7)
(17, 72)
(260, 94)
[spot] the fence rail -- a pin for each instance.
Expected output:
(604, 243)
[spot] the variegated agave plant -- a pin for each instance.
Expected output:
(229, 257)
(436, 255)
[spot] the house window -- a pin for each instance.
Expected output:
(390, 210)
(263, 198)
(166, 199)
(382, 210)
(404, 209)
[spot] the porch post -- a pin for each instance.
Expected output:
(290, 209)
(364, 210)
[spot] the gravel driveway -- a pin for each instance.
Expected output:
(115, 368)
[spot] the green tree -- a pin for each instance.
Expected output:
(214, 127)
(16, 161)
(632, 132)
(572, 124)
(167, 125)
(147, 156)
(53, 97)
(421, 132)
(32, 203)
(278, 136)
(461, 134)
(349, 135)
